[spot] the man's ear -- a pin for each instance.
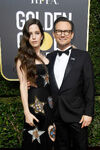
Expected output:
(72, 35)
(53, 33)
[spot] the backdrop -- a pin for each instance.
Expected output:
(14, 13)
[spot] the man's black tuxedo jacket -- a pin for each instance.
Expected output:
(76, 95)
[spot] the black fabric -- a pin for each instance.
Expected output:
(76, 94)
(74, 99)
(66, 51)
(45, 119)
(70, 135)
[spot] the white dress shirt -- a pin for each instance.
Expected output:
(60, 66)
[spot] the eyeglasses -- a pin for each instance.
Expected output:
(66, 32)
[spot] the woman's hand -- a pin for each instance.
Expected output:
(29, 118)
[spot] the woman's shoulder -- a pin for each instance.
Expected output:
(51, 54)
(18, 62)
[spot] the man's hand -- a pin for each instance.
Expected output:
(31, 84)
(28, 84)
(85, 120)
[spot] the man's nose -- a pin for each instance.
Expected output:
(62, 33)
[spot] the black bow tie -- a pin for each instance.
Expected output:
(66, 51)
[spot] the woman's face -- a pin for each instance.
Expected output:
(35, 36)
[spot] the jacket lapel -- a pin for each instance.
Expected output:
(69, 66)
(52, 76)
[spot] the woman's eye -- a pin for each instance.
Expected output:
(37, 33)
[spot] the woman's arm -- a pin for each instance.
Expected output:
(24, 94)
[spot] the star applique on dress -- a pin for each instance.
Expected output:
(38, 106)
(46, 79)
(36, 134)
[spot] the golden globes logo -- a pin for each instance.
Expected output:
(48, 19)
(44, 2)
(47, 11)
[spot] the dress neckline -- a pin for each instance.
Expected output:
(41, 64)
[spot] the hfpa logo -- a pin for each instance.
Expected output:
(44, 1)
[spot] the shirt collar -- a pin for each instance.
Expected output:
(64, 49)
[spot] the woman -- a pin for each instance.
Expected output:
(39, 131)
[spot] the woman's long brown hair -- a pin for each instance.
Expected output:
(26, 53)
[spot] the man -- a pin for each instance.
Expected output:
(72, 88)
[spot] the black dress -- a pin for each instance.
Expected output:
(40, 104)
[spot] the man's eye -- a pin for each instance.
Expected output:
(59, 31)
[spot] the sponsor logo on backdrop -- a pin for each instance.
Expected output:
(47, 2)
(47, 18)
(47, 11)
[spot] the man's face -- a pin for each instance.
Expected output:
(63, 34)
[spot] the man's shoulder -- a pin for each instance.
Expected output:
(80, 52)
(51, 54)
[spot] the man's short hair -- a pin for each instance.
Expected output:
(64, 19)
